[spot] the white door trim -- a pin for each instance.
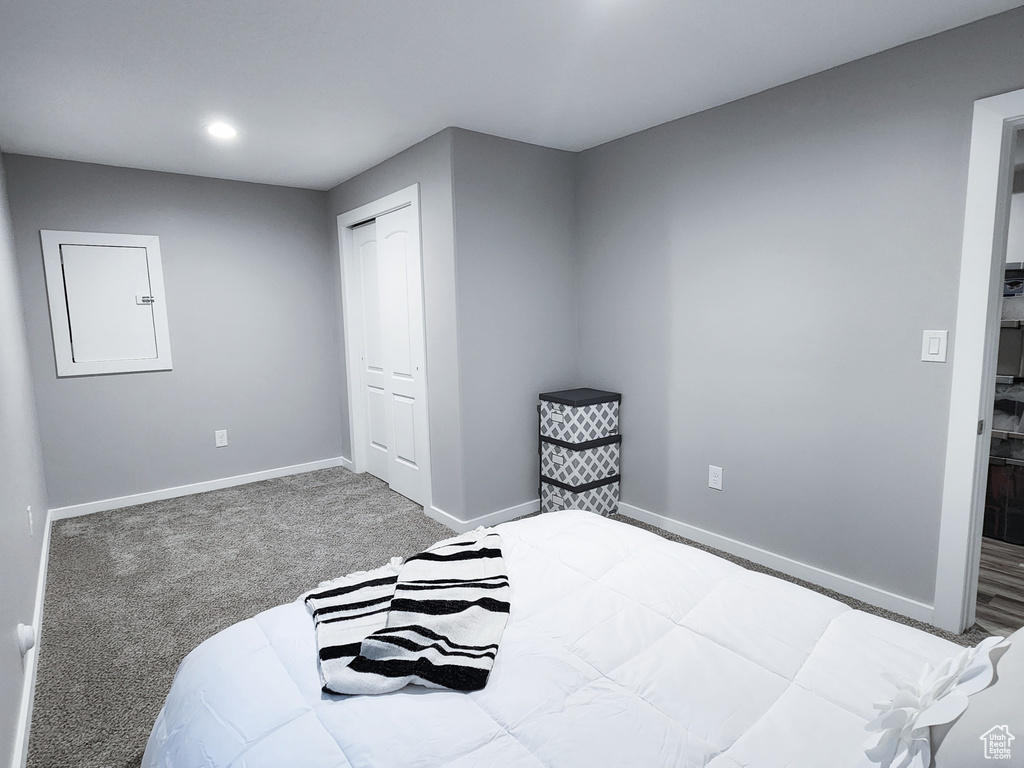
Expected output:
(974, 360)
(409, 196)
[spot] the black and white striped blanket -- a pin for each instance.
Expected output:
(435, 620)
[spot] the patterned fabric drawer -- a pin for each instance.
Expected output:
(603, 499)
(579, 467)
(578, 424)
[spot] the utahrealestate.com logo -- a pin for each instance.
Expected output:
(997, 743)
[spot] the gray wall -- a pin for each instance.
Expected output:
(429, 164)
(21, 483)
(755, 279)
(254, 334)
(498, 227)
(514, 243)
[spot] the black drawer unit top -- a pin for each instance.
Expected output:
(581, 396)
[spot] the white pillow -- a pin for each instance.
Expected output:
(993, 715)
(939, 695)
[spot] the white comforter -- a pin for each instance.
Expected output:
(622, 649)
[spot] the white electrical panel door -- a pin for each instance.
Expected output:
(106, 302)
(109, 303)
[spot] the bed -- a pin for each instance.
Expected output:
(622, 649)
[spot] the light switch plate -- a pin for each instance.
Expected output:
(933, 346)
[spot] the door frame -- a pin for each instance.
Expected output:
(353, 321)
(986, 219)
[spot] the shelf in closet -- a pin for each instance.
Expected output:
(1000, 461)
(1002, 434)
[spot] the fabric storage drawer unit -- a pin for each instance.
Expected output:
(602, 499)
(579, 450)
(573, 466)
(574, 419)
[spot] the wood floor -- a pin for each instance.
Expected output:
(1001, 587)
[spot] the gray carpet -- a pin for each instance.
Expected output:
(131, 591)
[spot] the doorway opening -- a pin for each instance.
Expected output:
(1000, 592)
(972, 394)
(385, 342)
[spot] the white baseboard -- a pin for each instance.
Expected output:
(492, 518)
(347, 463)
(30, 663)
(856, 589)
(89, 508)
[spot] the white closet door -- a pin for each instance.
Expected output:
(401, 302)
(372, 382)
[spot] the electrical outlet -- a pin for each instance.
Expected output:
(31, 525)
(220, 438)
(714, 477)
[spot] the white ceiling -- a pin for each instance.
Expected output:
(323, 89)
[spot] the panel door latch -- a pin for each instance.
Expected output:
(981, 427)
(151, 300)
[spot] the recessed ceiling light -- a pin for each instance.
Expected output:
(221, 131)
